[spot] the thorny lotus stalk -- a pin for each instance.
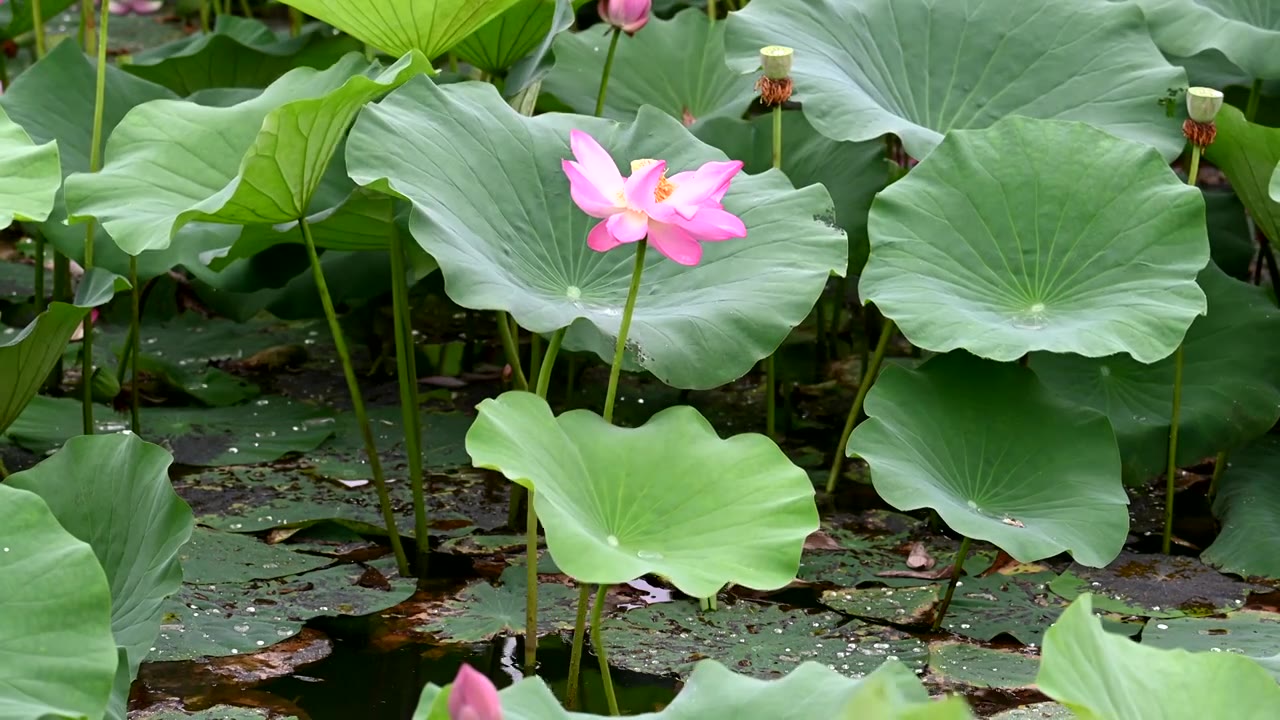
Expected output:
(37, 27)
(620, 348)
(868, 377)
(410, 419)
(597, 643)
(1203, 105)
(775, 89)
(511, 351)
(357, 400)
(575, 656)
(604, 74)
(135, 343)
(956, 569)
(95, 164)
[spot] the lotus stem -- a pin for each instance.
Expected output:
(619, 350)
(608, 66)
(1255, 98)
(597, 644)
(868, 378)
(1171, 469)
(357, 400)
(512, 352)
(770, 373)
(37, 27)
(407, 375)
(549, 361)
(245, 9)
(95, 164)
(204, 16)
(575, 657)
(135, 346)
(711, 12)
(1219, 467)
(295, 21)
(956, 569)
(84, 36)
(39, 279)
(535, 355)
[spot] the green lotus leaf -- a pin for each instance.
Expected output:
(1251, 633)
(1101, 675)
(492, 206)
(1231, 244)
(920, 69)
(676, 65)
(1230, 382)
(998, 456)
(28, 356)
(504, 40)
(1248, 154)
(66, 116)
(239, 53)
(113, 492)
(977, 666)
(258, 162)
(399, 26)
(1247, 32)
(17, 19)
(1275, 185)
(614, 509)
(30, 175)
(57, 654)
(852, 172)
(1248, 506)
(1007, 240)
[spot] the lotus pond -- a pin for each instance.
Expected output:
(737, 359)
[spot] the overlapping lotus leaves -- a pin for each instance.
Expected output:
(1098, 674)
(676, 65)
(1248, 506)
(998, 456)
(239, 53)
(1252, 633)
(30, 175)
(399, 26)
(1246, 31)
(1247, 153)
(258, 162)
(713, 692)
(113, 492)
(1039, 235)
(28, 356)
(504, 40)
(703, 511)
(920, 69)
(1230, 382)
(492, 206)
(16, 17)
(57, 654)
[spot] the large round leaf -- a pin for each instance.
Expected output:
(507, 38)
(1248, 506)
(670, 497)
(398, 26)
(113, 492)
(921, 68)
(30, 174)
(1039, 235)
(1230, 382)
(1103, 675)
(57, 655)
(1246, 31)
(261, 161)
(1247, 154)
(676, 65)
(492, 206)
(16, 17)
(998, 456)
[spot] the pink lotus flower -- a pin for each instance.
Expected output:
(626, 15)
(138, 7)
(675, 214)
(473, 697)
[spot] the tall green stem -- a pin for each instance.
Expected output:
(1219, 467)
(770, 373)
(1255, 97)
(711, 12)
(620, 349)
(575, 656)
(85, 34)
(135, 346)
(295, 21)
(597, 644)
(37, 27)
(956, 569)
(95, 164)
(204, 16)
(357, 400)
(868, 377)
(511, 351)
(608, 67)
(548, 362)
(407, 375)
(245, 9)
(535, 356)
(40, 290)
(1171, 469)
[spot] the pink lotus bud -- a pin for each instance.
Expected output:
(473, 697)
(626, 15)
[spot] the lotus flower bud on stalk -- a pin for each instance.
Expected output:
(473, 697)
(775, 85)
(626, 15)
(1203, 105)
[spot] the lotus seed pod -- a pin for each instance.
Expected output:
(1203, 104)
(776, 61)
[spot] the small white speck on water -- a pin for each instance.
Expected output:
(1162, 626)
